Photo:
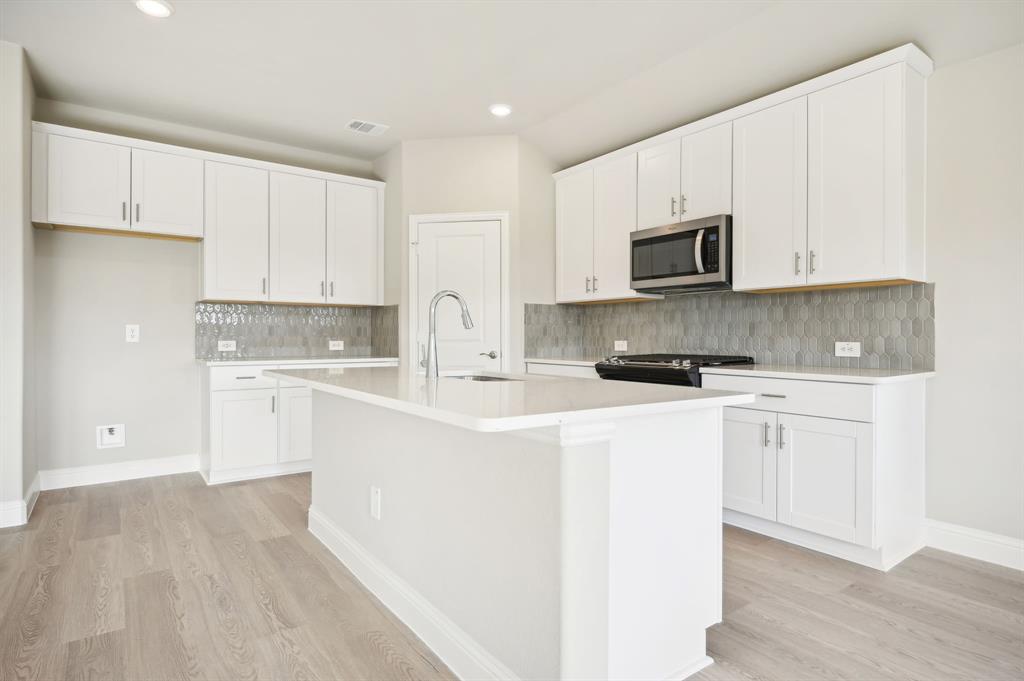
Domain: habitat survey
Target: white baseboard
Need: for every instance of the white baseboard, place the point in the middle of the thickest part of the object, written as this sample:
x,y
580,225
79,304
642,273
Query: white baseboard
x,y
978,544
254,472
15,513
690,670
463,655
59,478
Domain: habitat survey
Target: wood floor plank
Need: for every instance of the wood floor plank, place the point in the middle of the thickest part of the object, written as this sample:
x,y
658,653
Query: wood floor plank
x,y
253,514
53,538
30,628
142,542
102,513
158,637
189,545
97,658
96,587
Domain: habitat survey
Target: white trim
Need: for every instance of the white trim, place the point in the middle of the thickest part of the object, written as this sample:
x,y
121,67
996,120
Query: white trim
x,y
908,54
59,478
690,670
977,544
464,656
506,289
254,472
135,143
14,513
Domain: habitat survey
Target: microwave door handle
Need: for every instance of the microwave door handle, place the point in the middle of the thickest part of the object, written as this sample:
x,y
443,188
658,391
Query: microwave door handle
x,y
697,246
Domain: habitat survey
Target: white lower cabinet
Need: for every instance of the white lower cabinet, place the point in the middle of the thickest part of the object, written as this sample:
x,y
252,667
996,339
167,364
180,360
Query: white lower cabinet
x,y
295,431
845,477
243,428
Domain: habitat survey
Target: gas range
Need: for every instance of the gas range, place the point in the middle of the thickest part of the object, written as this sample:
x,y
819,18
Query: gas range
x,y
664,368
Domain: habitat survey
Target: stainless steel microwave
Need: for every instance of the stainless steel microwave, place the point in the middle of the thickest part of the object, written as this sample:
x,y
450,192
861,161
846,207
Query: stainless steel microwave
x,y
683,258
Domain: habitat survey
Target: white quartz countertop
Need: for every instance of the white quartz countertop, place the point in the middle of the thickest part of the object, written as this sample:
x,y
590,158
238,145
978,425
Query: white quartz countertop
x,y
528,402
832,374
291,362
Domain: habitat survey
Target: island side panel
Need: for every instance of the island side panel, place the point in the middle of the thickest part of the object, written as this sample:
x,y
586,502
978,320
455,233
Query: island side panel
x,y
469,520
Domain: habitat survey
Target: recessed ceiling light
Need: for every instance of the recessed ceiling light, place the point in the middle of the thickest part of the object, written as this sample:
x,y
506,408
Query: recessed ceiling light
x,y
501,110
155,8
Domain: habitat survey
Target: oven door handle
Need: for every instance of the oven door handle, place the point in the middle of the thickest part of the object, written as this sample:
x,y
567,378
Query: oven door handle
x,y
698,244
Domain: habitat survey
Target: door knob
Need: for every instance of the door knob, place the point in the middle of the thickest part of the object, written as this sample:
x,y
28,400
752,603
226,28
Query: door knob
x,y
492,354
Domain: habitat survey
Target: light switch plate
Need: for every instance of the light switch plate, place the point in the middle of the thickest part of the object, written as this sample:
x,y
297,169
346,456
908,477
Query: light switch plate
x,y
847,349
226,346
110,436
131,333
335,345
621,346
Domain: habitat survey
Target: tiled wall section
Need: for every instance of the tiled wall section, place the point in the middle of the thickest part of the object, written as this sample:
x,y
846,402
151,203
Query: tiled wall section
x,y
384,331
895,325
291,331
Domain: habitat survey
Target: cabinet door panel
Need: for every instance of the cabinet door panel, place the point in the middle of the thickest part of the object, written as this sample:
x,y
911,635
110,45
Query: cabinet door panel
x,y
235,250
353,244
825,477
657,191
770,197
167,193
89,183
243,428
298,239
854,179
614,220
574,235
749,461
296,424
706,176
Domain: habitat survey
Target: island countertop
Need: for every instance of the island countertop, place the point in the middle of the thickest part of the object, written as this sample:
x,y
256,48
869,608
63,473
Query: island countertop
x,y
527,401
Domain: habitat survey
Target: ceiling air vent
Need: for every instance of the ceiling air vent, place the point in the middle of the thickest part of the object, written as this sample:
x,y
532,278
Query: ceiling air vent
x,y
366,128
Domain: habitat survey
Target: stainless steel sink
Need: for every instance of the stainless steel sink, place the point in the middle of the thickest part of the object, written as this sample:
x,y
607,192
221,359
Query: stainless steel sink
x,y
475,377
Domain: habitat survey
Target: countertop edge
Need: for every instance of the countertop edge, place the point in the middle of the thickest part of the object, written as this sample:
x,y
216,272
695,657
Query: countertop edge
x,y
295,362
564,362
821,374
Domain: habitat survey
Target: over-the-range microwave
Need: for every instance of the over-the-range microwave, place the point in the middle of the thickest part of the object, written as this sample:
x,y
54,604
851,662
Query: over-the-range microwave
x,y
683,258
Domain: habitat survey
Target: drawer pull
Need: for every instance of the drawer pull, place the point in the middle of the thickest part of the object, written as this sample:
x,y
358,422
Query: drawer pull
x,y
781,397
244,378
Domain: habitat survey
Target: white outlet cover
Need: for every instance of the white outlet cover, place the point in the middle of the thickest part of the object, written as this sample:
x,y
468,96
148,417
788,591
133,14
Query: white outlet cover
x,y
335,345
226,346
621,346
110,436
131,333
847,349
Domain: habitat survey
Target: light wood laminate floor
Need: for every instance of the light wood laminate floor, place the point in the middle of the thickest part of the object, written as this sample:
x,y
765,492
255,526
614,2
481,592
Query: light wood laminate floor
x,y
166,578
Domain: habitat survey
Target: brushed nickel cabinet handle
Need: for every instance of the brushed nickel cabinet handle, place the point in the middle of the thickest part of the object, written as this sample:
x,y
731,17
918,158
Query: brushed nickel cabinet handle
x,y
796,262
682,204
767,428
782,429
124,211
332,289
245,378
264,289
595,283
588,284
321,288
137,209
273,403
810,263
673,206
773,395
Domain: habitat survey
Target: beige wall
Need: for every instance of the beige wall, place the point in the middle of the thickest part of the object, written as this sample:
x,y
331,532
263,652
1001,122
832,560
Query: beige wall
x,y
17,452
472,174
88,286
115,123
976,259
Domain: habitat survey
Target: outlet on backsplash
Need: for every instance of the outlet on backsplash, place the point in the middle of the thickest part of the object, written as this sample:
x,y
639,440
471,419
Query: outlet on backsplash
x,y
226,346
847,349
621,346
335,345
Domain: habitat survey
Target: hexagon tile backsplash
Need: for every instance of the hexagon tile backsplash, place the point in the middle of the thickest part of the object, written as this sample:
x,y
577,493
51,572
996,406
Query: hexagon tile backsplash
x,y
894,324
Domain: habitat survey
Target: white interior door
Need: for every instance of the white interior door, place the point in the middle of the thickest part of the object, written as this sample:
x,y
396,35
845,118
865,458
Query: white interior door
x,y
464,257
298,234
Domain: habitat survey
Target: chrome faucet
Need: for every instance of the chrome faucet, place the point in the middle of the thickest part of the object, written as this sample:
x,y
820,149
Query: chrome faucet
x,y
467,322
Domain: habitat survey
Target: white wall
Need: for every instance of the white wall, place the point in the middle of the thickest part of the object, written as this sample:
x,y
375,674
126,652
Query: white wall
x,y
17,451
976,259
88,286
77,116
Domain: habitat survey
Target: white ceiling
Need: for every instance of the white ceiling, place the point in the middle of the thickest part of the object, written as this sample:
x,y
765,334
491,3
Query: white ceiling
x,y
582,77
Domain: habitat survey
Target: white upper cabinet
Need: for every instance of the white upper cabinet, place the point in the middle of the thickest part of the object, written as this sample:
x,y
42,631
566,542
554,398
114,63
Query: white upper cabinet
x,y
89,183
574,237
235,253
614,220
657,190
167,193
354,264
770,197
298,232
706,173
857,192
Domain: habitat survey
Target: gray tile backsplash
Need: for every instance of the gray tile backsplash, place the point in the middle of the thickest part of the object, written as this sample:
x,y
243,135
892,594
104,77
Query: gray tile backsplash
x,y
894,324
294,331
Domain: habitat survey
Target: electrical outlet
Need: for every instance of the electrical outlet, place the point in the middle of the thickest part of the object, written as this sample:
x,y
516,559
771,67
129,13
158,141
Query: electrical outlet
x,y
131,333
335,345
225,346
375,502
847,349
621,346
110,436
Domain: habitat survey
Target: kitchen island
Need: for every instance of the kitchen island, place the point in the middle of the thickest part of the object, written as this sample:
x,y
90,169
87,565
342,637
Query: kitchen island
x,y
527,527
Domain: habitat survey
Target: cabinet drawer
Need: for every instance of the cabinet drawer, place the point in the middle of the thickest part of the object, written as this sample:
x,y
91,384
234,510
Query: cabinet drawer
x,y
847,401
240,378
